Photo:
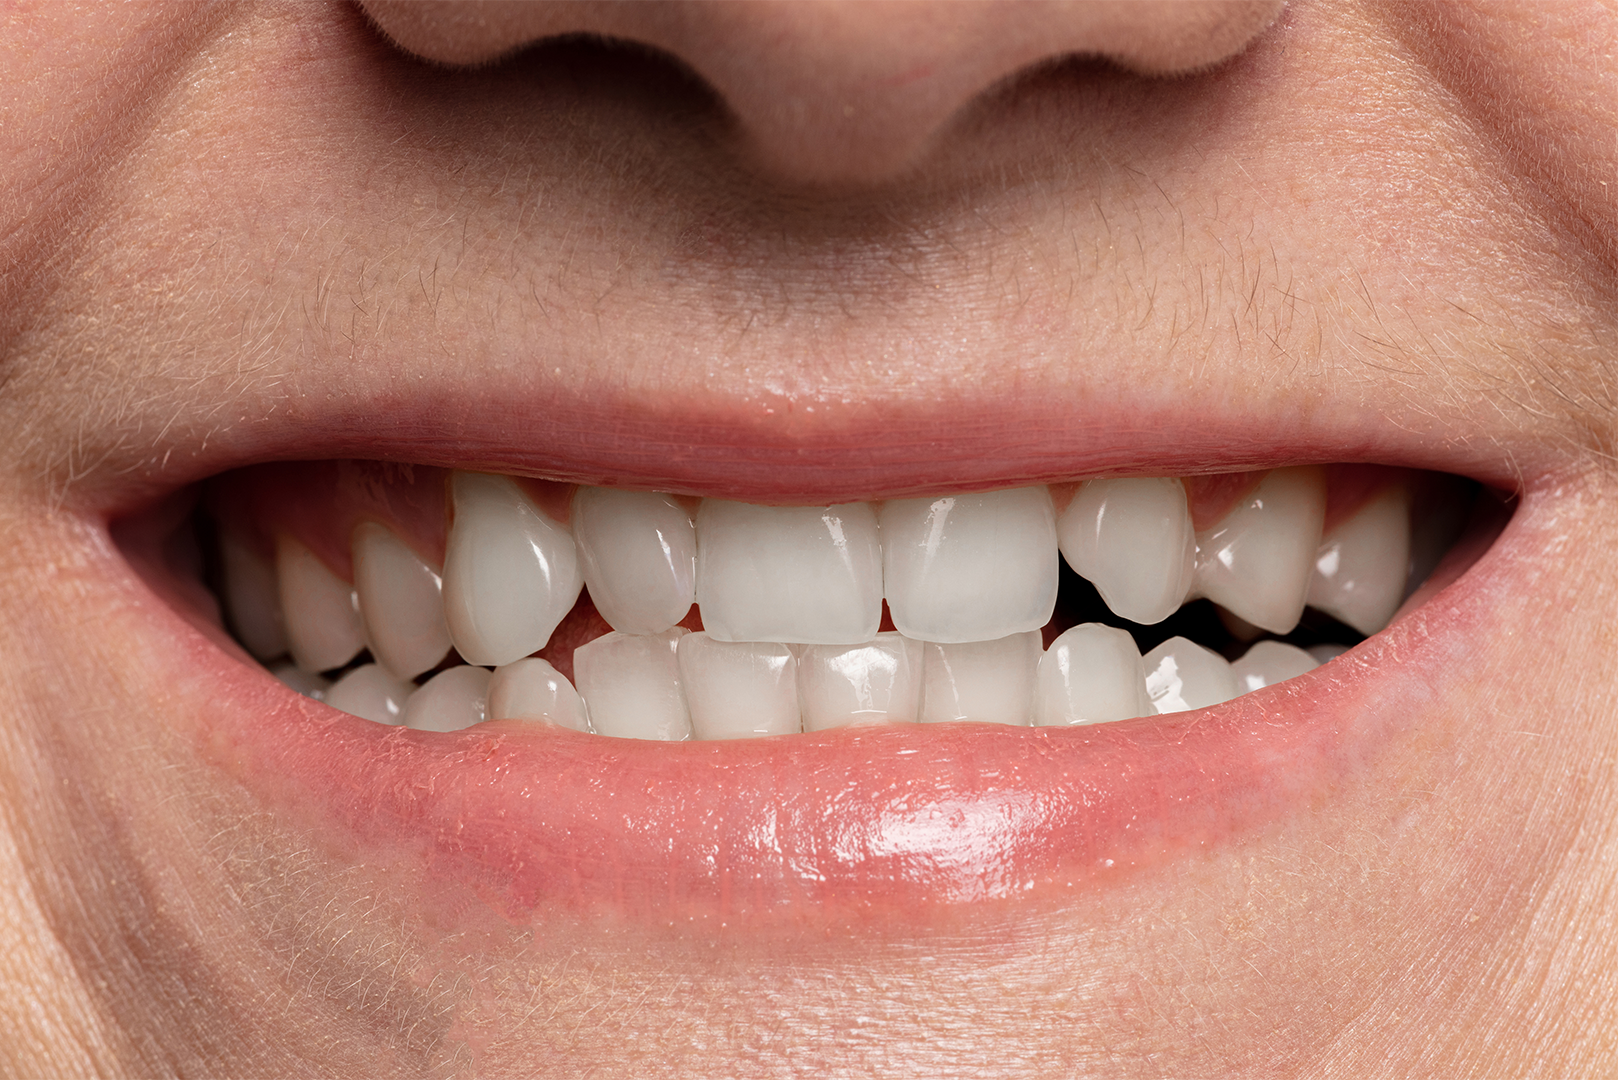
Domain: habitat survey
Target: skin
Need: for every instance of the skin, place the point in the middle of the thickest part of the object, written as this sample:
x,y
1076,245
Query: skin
x,y
1377,233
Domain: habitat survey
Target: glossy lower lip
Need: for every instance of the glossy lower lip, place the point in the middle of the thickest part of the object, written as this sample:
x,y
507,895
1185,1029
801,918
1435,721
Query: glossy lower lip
x,y
871,823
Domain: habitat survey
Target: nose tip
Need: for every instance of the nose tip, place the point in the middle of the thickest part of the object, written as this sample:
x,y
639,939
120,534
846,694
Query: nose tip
x,y
846,92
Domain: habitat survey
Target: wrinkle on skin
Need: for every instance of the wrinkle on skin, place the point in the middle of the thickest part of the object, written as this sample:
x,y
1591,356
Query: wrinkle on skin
x,y
297,215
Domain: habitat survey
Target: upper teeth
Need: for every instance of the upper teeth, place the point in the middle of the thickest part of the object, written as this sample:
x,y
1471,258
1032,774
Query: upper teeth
x,y
791,600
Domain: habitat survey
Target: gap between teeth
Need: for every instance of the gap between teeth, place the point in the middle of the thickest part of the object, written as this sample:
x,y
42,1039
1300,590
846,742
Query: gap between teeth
x,y
791,600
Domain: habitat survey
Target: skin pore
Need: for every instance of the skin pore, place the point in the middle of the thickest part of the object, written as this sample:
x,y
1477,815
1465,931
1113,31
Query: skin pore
x,y
792,254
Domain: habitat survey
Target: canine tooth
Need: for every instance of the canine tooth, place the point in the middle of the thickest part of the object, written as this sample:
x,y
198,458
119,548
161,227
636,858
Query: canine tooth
x,y
631,685
401,602
1323,653
510,573
1091,674
1270,662
987,681
879,681
738,689
1132,538
306,683
638,552
455,698
321,609
963,568
1257,561
531,689
805,574
252,598
371,692
1181,675
1361,566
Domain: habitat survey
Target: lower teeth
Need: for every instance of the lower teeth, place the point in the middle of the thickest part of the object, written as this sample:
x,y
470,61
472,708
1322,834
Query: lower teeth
x,y
1056,653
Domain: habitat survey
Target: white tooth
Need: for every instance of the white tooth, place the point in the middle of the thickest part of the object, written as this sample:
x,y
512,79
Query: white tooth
x,y
638,551
1362,563
369,691
1132,538
1091,674
322,612
1270,662
965,568
455,698
991,682
878,682
739,689
401,602
510,573
805,574
531,689
252,598
306,683
1323,653
1181,675
631,685
1257,561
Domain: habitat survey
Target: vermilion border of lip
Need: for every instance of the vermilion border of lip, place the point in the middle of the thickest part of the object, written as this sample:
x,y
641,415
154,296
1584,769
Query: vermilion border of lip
x,y
866,822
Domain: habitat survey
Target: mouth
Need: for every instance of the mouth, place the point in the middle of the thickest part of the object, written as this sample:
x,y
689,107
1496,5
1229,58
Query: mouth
x,y
556,695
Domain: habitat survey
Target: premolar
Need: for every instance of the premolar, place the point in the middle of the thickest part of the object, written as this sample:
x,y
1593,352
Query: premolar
x,y
1270,662
963,568
1182,675
321,609
252,598
453,699
1257,561
1362,564
372,692
401,602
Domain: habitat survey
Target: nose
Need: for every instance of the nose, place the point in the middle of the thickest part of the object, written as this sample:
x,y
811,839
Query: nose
x,y
845,91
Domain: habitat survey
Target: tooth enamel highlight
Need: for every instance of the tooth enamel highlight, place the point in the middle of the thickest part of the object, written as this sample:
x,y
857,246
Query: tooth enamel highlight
x,y
1361,566
306,683
1132,538
989,682
965,568
369,691
631,685
1257,562
878,682
1091,674
252,599
531,689
738,689
804,574
453,699
1182,675
1270,662
321,610
401,602
510,572
638,552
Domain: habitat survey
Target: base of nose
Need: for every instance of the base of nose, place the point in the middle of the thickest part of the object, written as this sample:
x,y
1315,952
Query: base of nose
x,y
846,91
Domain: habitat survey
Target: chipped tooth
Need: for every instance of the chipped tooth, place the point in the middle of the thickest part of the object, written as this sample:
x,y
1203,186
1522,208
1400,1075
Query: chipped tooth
x,y
453,699
1270,662
805,574
878,682
371,692
1132,539
531,689
631,685
1257,561
401,602
990,682
638,552
738,689
1361,565
964,568
252,598
1182,675
304,682
321,609
510,572
1091,674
